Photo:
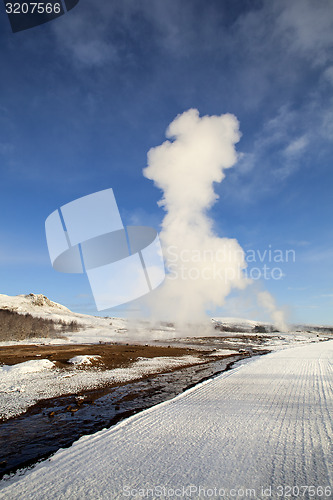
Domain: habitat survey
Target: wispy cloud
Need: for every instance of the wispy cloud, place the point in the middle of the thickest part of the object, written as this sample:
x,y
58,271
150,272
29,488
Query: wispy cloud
x,y
82,35
285,143
296,146
299,243
308,27
298,288
16,257
322,255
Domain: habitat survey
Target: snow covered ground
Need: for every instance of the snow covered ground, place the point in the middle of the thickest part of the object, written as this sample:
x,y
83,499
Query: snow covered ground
x,y
23,384
261,430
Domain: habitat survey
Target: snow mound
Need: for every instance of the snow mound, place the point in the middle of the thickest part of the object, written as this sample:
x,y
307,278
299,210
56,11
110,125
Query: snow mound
x,y
32,366
160,362
83,360
223,352
41,300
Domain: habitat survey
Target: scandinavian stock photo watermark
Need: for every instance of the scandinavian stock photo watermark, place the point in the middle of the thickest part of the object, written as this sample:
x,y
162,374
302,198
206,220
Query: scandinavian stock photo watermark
x,y
87,236
227,264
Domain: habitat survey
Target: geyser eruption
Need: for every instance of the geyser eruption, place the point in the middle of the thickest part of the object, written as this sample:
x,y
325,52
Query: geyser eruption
x,y
202,268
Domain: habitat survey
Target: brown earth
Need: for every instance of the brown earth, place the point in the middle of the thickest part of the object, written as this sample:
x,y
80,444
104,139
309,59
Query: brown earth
x,y
112,355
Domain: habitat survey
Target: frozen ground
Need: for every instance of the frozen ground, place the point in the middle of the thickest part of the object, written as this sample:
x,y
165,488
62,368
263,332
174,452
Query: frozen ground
x,y
26,383
23,384
262,430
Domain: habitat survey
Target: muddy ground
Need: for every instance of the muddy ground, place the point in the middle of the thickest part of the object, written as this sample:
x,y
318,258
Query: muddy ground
x,y
112,355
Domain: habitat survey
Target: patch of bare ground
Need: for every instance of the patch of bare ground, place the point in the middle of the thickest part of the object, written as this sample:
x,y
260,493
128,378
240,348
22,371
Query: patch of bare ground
x,y
111,355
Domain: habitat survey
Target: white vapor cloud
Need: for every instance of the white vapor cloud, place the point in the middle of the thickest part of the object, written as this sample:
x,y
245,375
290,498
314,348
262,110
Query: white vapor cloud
x,y
203,268
266,301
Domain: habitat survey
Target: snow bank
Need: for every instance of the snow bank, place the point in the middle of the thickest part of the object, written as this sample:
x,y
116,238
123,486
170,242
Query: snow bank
x,y
83,360
157,364
32,366
224,352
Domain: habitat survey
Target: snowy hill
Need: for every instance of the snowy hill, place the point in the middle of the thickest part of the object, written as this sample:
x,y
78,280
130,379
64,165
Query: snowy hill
x,y
92,329
35,304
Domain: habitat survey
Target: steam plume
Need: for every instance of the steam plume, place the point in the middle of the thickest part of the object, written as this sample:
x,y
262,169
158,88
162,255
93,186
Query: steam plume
x,y
266,300
203,268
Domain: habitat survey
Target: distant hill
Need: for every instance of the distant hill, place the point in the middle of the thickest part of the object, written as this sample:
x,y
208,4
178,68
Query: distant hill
x,y
21,326
249,326
36,316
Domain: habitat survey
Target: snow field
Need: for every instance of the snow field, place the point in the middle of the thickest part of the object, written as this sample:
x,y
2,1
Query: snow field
x,y
264,425
24,384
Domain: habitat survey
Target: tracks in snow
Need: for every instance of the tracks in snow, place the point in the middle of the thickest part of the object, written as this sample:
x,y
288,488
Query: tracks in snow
x,y
264,424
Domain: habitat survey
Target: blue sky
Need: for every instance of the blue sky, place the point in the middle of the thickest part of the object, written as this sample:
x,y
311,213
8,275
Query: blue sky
x,y
84,97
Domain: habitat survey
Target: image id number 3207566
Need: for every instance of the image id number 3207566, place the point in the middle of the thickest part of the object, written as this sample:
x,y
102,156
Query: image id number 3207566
x,y
33,8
